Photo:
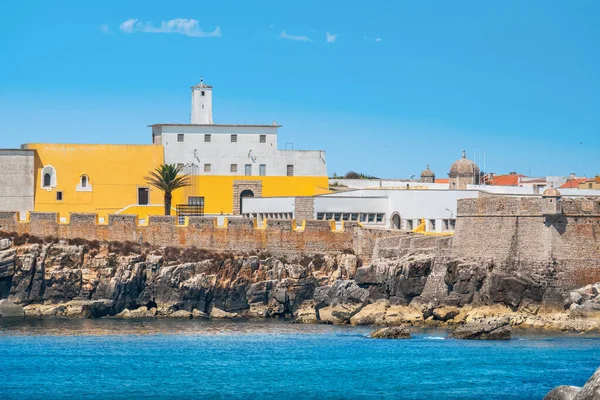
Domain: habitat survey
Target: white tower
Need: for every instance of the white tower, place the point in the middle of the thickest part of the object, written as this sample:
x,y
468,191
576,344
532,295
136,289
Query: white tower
x,y
202,104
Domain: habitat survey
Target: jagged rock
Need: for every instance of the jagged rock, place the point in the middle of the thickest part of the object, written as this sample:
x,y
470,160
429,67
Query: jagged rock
x,y
10,309
401,315
217,313
484,329
5,244
395,332
371,314
197,314
338,314
591,389
306,314
142,312
445,313
341,292
180,314
563,393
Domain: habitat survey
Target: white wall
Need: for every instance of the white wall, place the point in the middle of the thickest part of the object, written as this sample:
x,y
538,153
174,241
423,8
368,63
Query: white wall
x,y
264,205
221,152
385,183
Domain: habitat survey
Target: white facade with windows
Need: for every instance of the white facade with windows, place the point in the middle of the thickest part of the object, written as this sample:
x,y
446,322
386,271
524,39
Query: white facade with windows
x,y
217,149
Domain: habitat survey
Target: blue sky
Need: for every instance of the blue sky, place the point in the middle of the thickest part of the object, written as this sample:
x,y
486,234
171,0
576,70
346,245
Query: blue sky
x,y
385,87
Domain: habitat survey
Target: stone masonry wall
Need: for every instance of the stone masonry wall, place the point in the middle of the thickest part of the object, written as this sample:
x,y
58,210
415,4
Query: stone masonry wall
x,y
513,233
238,235
304,208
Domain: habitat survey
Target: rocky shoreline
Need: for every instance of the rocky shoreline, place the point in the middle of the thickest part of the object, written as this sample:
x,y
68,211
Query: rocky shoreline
x,y
419,287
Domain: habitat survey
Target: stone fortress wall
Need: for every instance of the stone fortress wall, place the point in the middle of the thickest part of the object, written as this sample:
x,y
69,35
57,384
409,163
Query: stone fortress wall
x,y
517,236
279,237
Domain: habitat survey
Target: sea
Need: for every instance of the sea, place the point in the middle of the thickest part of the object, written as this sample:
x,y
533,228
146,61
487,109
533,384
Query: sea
x,y
196,359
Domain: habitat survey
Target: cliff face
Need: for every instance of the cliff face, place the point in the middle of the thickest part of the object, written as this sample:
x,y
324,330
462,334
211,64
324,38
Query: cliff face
x,y
412,280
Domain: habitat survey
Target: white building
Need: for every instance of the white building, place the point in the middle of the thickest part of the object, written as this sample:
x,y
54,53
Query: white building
x,y
220,149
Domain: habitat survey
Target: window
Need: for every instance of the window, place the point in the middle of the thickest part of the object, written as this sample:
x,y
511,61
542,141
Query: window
x,y
363,217
337,216
143,196
233,138
180,137
591,186
263,139
59,196
354,217
206,167
196,200
432,225
202,93
233,168
84,181
345,217
329,216
248,169
47,179
207,138
379,217
262,169
290,170
371,218
320,216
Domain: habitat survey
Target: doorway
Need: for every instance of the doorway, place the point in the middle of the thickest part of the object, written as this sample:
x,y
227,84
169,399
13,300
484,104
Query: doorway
x,y
245,193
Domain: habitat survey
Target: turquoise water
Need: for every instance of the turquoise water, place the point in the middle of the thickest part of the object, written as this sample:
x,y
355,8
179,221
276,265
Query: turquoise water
x,y
116,359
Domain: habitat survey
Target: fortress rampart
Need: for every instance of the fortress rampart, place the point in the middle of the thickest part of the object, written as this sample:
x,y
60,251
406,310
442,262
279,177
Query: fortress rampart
x,y
516,234
236,235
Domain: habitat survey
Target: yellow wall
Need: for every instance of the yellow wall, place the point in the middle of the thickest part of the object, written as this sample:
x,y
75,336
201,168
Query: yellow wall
x,y
593,184
114,171
218,190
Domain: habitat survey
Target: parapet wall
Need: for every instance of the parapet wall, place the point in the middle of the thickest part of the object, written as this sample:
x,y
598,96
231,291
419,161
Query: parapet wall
x,y
236,235
513,233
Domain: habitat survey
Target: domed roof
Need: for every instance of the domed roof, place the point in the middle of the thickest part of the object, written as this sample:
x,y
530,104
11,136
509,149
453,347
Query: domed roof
x,y
427,173
464,167
551,192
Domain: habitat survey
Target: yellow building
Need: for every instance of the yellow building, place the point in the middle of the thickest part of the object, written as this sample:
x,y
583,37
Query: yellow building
x,y
593,183
96,178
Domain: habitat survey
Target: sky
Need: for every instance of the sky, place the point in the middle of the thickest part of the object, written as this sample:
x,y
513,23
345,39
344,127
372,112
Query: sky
x,y
384,87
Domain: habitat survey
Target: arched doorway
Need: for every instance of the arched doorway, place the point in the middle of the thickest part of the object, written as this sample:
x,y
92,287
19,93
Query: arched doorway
x,y
245,193
396,221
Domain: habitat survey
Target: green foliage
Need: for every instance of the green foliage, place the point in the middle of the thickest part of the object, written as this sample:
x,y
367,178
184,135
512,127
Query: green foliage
x,y
167,178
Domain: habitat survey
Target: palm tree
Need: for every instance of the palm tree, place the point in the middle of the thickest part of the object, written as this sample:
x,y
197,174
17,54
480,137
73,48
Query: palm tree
x,y
166,178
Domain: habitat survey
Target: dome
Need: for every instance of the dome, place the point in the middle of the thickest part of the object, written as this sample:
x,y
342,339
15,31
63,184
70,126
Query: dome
x,y
427,173
464,167
551,192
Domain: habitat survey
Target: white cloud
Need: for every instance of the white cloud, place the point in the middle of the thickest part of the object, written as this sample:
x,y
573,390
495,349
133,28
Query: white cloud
x,y
330,37
284,35
182,26
104,28
378,39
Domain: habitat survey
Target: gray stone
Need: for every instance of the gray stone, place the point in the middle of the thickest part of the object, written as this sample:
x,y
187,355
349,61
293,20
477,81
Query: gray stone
x,y
484,329
563,393
395,332
10,309
591,390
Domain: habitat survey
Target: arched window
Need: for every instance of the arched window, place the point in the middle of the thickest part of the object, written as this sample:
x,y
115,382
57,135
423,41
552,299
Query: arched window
x,y
84,180
47,179
84,184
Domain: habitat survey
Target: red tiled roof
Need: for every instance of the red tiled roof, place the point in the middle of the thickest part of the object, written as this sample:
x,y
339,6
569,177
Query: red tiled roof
x,y
573,183
506,180
442,180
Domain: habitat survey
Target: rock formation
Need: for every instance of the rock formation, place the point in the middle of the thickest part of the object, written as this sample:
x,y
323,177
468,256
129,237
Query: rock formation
x,y
395,332
412,283
484,329
590,391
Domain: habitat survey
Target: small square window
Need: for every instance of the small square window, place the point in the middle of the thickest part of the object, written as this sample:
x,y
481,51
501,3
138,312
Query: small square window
x,y
354,217
363,217
233,138
329,216
248,169
379,217
262,169
180,137
206,167
233,168
320,216
202,93
207,138
290,170
371,217
263,139
346,217
59,196
337,216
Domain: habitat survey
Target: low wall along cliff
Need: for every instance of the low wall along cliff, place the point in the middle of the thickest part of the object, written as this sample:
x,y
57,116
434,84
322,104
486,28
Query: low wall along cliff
x,y
237,234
